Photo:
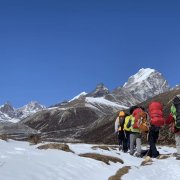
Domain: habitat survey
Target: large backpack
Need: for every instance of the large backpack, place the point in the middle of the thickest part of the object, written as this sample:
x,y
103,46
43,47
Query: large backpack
x,y
176,102
140,121
121,122
156,114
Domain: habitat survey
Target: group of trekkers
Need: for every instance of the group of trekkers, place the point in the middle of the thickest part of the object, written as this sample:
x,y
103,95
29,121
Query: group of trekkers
x,y
130,127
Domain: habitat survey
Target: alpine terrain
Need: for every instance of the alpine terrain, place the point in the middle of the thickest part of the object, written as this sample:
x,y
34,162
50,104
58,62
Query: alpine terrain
x,y
90,113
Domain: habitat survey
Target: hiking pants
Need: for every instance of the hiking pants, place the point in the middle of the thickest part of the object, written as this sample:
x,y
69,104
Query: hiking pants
x,y
135,138
127,133
177,138
122,139
152,139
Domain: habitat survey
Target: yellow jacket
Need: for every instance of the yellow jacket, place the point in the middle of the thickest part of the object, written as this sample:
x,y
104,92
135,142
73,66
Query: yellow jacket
x,y
127,119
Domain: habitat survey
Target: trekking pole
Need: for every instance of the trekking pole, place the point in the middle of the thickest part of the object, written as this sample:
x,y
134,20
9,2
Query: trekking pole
x,y
125,134
147,136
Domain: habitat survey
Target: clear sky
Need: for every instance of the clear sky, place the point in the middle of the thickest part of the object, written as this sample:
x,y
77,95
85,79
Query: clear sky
x,y
51,50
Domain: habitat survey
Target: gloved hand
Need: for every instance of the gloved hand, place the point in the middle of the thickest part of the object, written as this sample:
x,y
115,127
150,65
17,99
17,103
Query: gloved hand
x,y
115,132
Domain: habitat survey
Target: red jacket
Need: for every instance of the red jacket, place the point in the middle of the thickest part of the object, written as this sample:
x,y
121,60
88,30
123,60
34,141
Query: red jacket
x,y
170,120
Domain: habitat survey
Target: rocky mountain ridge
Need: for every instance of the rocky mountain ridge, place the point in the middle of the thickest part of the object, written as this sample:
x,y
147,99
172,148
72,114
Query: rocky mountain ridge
x,y
9,113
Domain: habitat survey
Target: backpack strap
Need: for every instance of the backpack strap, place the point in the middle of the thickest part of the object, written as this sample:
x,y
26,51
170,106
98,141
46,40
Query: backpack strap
x,y
129,122
173,111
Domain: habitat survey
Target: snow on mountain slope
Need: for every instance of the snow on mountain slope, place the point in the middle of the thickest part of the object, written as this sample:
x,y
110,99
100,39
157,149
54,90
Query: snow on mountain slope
x,y
146,84
142,75
104,102
78,96
19,161
29,109
8,113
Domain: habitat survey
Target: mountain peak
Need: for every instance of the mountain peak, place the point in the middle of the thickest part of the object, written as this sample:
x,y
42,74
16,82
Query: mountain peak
x,y
7,112
82,94
100,91
7,108
140,76
146,83
32,106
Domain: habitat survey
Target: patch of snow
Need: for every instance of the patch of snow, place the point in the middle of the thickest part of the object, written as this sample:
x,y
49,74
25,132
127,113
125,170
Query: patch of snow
x,y
142,75
78,96
103,101
14,120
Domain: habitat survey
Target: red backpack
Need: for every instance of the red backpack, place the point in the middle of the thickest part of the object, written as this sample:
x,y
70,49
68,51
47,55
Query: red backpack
x,y
140,121
156,114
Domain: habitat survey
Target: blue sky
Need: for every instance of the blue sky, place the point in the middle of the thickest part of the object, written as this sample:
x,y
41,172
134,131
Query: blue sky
x,y
52,50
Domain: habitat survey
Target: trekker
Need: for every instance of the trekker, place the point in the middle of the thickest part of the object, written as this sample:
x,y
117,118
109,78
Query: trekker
x,y
155,110
127,129
135,136
119,130
174,120
152,140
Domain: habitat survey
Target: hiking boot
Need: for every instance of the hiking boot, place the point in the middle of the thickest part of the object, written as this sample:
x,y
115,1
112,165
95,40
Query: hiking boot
x,y
177,156
137,155
125,151
174,154
157,156
120,147
131,153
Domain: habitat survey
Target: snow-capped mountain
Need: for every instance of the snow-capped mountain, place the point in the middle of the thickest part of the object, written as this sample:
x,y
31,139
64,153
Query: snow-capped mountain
x,y
95,112
146,83
9,113
176,87
143,85
87,108
29,109
7,109
79,96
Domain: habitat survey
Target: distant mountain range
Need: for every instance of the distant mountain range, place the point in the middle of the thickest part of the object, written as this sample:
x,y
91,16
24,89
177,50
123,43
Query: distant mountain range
x,y
145,84
89,116
9,113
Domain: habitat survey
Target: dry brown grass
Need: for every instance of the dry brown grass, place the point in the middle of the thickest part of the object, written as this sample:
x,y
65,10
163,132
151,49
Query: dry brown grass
x,y
34,139
147,161
114,147
4,137
102,158
172,145
105,147
63,147
124,170
101,147
164,156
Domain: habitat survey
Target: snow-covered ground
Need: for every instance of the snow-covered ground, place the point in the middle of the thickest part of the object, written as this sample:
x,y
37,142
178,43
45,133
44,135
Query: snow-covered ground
x,y
21,161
